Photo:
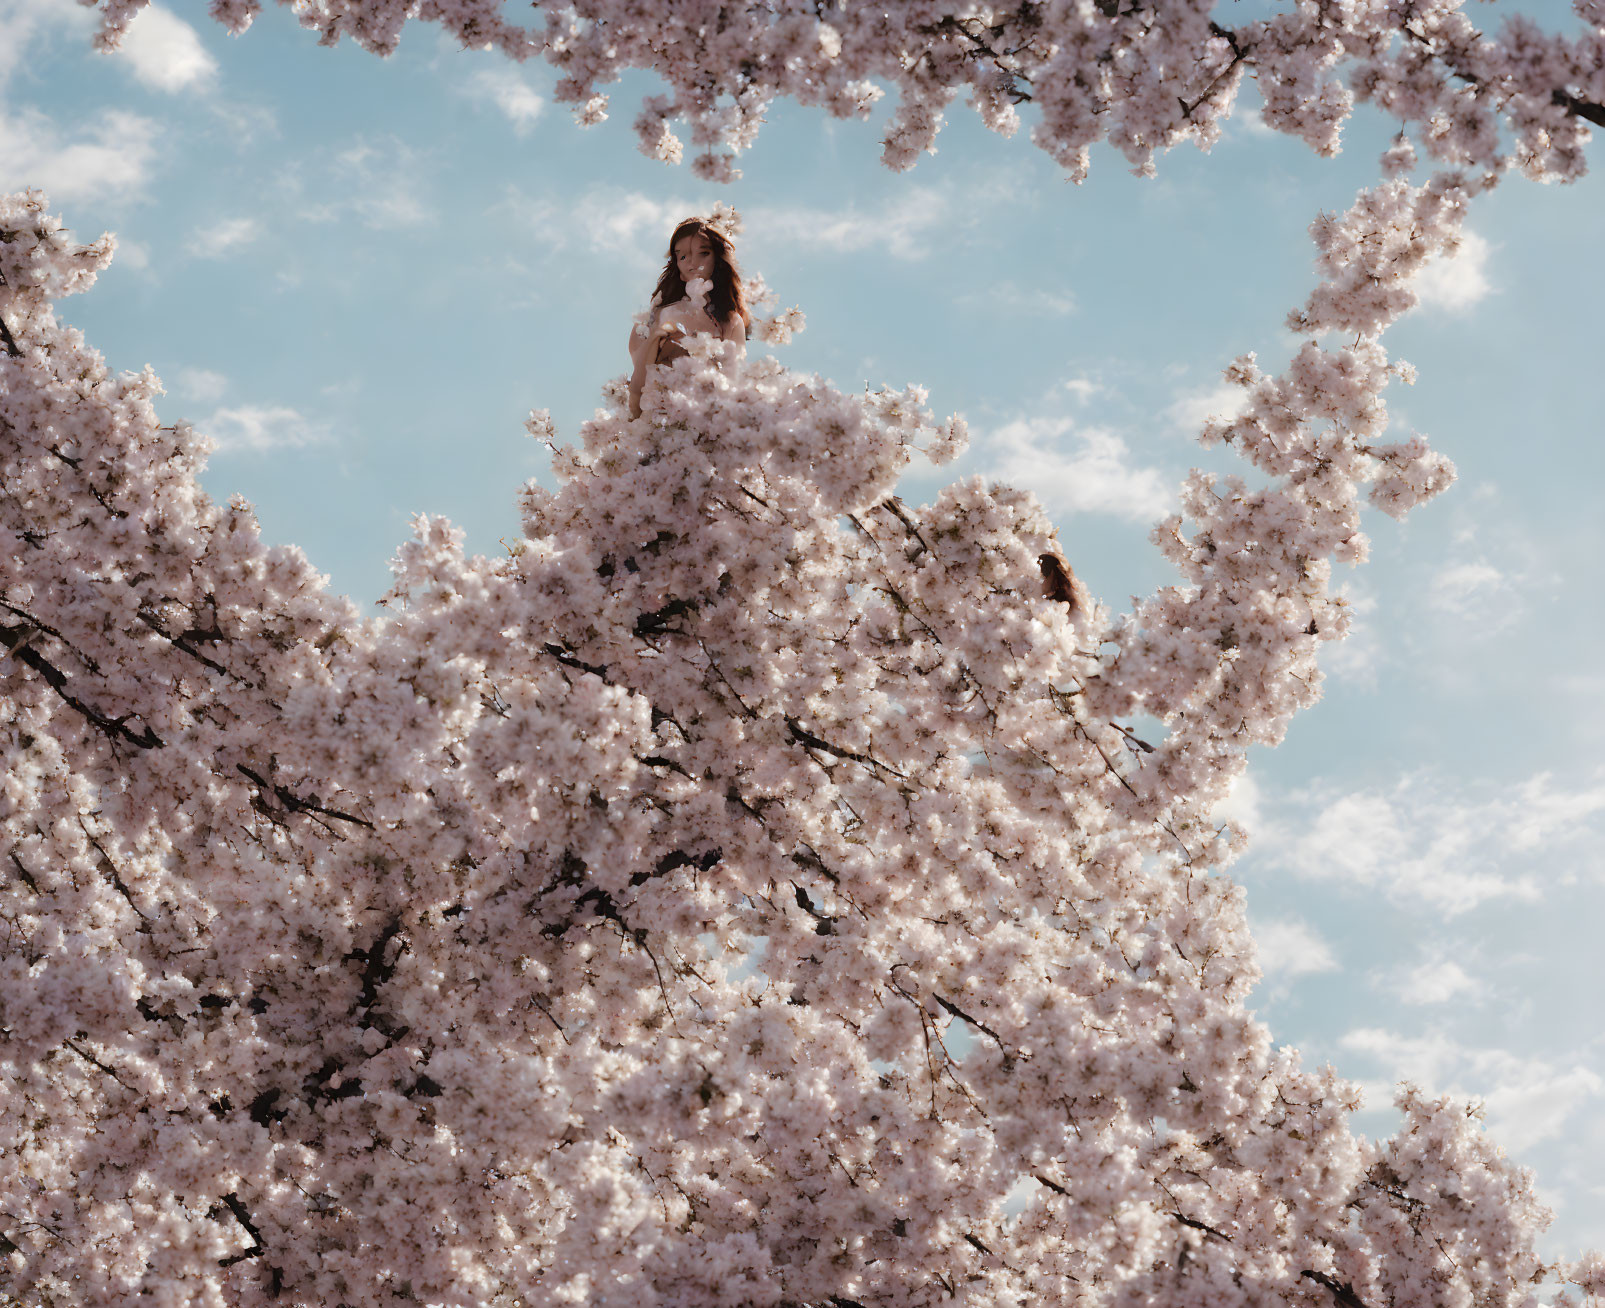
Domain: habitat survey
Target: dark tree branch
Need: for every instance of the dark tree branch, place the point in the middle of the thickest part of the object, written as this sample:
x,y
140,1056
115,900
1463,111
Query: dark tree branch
x,y
568,660
959,1013
376,971
808,857
295,803
894,506
1342,1291
656,623
31,626
824,925
1584,109
91,1059
56,679
803,736
243,1217
108,869
183,641
23,872
677,859
1205,1227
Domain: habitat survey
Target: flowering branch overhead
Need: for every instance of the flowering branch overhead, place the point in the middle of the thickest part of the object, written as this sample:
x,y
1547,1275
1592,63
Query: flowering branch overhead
x,y
1143,76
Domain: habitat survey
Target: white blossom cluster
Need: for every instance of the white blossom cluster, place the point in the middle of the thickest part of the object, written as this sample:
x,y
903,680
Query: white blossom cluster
x,y
750,891
1144,75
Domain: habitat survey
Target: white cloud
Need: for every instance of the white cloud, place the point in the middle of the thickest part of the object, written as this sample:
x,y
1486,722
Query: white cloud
x,y
1241,806
1437,982
506,89
631,223
1009,299
1356,658
224,237
1079,470
1531,1102
1457,283
21,21
380,185
242,122
134,255
165,52
1291,949
253,429
1527,1100
201,385
621,224
901,228
1541,808
636,226
1448,851
1193,408
1467,587
1080,389
111,159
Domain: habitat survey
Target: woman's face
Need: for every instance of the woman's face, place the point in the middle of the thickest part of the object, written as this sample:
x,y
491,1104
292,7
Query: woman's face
x,y
693,256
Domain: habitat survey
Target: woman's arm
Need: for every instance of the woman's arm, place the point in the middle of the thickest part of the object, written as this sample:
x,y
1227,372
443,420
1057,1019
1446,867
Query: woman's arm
x,y
644,339
637,381
736,331
646,356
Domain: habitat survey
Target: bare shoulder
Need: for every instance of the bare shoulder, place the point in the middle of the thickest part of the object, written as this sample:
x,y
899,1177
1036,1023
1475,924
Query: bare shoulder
x,y
735,329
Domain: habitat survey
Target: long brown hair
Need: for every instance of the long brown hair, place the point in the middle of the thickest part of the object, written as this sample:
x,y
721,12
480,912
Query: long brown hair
x,y
727,297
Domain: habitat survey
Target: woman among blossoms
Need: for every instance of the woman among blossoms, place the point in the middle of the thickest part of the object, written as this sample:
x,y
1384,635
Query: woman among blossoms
x,y
699,291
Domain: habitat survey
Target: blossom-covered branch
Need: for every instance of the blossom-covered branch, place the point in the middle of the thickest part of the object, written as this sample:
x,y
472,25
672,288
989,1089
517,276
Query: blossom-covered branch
x,y
1143,75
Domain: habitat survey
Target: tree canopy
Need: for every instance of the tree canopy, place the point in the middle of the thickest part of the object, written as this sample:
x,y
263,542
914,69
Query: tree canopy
x,y
752,889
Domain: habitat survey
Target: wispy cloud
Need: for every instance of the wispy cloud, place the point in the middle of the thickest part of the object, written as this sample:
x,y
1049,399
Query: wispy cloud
x,y
1456,283
165,53
900,227
606,219
1468,588
109,159
631,223
1192,408
132,254
252,429
506,90
1444,849
200,385
1077,469
636,226
1290,948
23,22
1437,981
1527,1100
1079,389
1241,807
1009,299
1357,658
224,237
380,184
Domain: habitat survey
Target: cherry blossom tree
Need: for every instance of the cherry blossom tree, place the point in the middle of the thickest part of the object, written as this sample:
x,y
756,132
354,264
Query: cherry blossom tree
x,y
753,889
1143,75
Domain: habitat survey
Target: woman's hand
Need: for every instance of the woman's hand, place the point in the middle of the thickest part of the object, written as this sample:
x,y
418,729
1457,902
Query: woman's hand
x,y
682,318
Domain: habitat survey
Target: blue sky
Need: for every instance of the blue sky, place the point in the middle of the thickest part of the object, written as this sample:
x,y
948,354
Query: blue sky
x,y
361,274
